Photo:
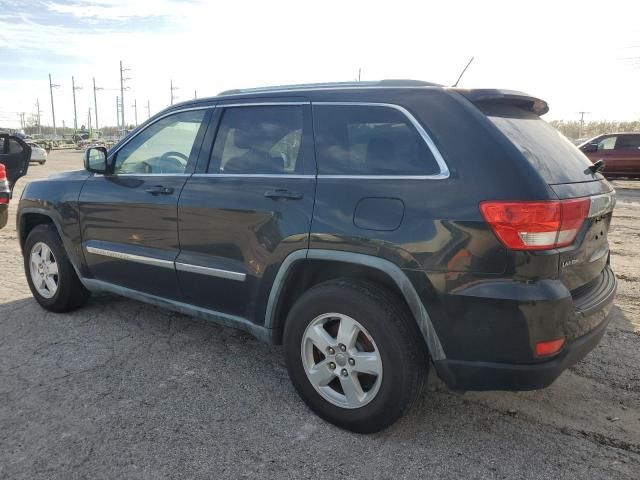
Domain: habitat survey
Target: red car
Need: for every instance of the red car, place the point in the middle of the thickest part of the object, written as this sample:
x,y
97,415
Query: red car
x,y
619,151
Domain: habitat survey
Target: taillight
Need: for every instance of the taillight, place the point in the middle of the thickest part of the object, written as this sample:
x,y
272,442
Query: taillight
x,y
3,173
536,225
550,347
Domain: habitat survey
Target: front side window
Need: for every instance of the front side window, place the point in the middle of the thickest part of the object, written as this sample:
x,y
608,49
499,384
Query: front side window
x,y
259,140
164,147
608,143
369,140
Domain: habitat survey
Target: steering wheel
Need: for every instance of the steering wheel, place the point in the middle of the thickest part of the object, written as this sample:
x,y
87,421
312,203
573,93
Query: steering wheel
x,y
173,159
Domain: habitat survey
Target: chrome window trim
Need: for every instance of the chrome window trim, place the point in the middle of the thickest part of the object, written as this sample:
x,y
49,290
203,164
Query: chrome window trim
x,y
179,175
156,120
212,272
253,175
253,103
444,169
156,262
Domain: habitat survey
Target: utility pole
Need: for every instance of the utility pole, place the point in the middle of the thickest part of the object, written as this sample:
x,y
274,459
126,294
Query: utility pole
x,y
75,115
38,116
148,109
118,115
122,89
582,114
95,100
195,94
359,73
89,122
135,110
173,97
53,110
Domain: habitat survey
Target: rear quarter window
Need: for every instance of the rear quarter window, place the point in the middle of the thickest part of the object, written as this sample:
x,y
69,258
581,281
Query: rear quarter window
x,y
369,140
549,152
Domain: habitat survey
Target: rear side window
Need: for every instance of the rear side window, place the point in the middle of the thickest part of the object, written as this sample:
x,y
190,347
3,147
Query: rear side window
x,y
628,142
14,146
549,152
369,140
259,140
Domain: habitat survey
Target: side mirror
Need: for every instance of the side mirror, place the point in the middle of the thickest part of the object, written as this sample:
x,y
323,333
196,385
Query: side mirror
x,y
590,147
95,160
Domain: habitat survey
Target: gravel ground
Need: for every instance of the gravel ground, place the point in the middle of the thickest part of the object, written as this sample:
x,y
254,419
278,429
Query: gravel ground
x,y
124,390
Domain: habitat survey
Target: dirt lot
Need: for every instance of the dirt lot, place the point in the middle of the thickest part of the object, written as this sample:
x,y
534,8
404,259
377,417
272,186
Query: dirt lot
x,y
124,390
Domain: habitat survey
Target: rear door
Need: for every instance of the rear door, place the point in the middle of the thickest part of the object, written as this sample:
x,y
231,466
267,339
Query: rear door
x,y
129,218
626,155
241,215
14,155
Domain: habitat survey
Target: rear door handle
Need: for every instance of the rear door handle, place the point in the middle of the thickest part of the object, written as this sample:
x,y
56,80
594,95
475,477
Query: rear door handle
x,y
283,193
159,190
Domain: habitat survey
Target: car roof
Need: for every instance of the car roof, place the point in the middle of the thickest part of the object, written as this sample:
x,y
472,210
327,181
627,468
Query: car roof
x,y
476,96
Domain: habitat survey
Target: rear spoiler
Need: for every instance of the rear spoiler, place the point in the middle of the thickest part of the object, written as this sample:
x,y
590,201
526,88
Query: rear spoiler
x,y
506,97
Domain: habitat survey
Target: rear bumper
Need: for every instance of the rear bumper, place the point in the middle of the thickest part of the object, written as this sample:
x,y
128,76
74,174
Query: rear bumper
x,y
583,329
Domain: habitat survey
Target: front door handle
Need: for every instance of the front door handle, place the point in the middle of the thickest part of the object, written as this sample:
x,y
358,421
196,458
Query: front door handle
x,y
159,190
283,193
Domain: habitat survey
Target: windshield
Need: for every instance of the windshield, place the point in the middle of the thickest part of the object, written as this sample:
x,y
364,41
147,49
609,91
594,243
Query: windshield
x,y
550,152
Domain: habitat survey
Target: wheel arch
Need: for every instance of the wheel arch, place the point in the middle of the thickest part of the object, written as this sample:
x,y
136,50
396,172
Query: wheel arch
x,y
29,218
303,269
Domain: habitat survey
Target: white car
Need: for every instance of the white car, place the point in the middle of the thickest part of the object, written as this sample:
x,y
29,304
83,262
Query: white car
x,y
38,154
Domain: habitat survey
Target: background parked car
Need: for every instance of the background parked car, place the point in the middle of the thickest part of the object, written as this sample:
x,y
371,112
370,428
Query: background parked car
x,y
38,154
620,152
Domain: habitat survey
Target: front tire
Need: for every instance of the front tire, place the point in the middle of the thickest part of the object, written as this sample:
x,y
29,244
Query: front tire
x,y
51,277
354,354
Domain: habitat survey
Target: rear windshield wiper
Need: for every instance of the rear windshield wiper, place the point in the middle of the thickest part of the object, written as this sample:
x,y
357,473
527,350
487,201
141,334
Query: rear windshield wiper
x,y
597,166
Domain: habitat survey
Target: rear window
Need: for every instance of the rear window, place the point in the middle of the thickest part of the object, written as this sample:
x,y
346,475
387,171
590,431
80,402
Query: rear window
x,y
550,152
369,140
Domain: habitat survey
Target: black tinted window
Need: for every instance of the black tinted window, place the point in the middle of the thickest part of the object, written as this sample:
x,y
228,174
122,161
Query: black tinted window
x,y
14,146
368,140
259,140
551,154
628,142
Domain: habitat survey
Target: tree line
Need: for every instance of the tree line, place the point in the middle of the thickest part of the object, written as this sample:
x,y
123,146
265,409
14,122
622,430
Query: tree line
x,y
572,129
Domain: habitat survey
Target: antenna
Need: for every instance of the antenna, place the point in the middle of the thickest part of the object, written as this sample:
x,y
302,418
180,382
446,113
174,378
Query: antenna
x,y
463,70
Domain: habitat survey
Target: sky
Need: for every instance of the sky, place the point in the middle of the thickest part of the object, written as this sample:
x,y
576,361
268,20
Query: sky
x,y
577,55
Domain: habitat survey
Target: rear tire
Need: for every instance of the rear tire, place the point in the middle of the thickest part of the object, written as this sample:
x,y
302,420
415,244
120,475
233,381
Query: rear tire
x,y
384,328
51,277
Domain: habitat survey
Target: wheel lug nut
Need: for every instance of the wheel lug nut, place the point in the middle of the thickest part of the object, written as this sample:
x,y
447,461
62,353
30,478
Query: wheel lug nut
x,y
344,372
343,348
332,365
352,362
331,351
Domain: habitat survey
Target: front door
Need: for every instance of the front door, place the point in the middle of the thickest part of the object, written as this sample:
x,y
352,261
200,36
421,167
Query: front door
x,y
627,155
249,209
129,218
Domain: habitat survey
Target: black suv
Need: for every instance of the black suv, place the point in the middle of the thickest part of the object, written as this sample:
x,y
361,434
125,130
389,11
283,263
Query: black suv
x,y
372,228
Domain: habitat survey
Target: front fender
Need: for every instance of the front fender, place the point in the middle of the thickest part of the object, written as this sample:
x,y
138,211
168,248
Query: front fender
x,y
57,200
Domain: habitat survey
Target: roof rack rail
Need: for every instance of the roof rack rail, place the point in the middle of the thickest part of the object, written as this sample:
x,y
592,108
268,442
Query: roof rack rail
x,y
307,86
